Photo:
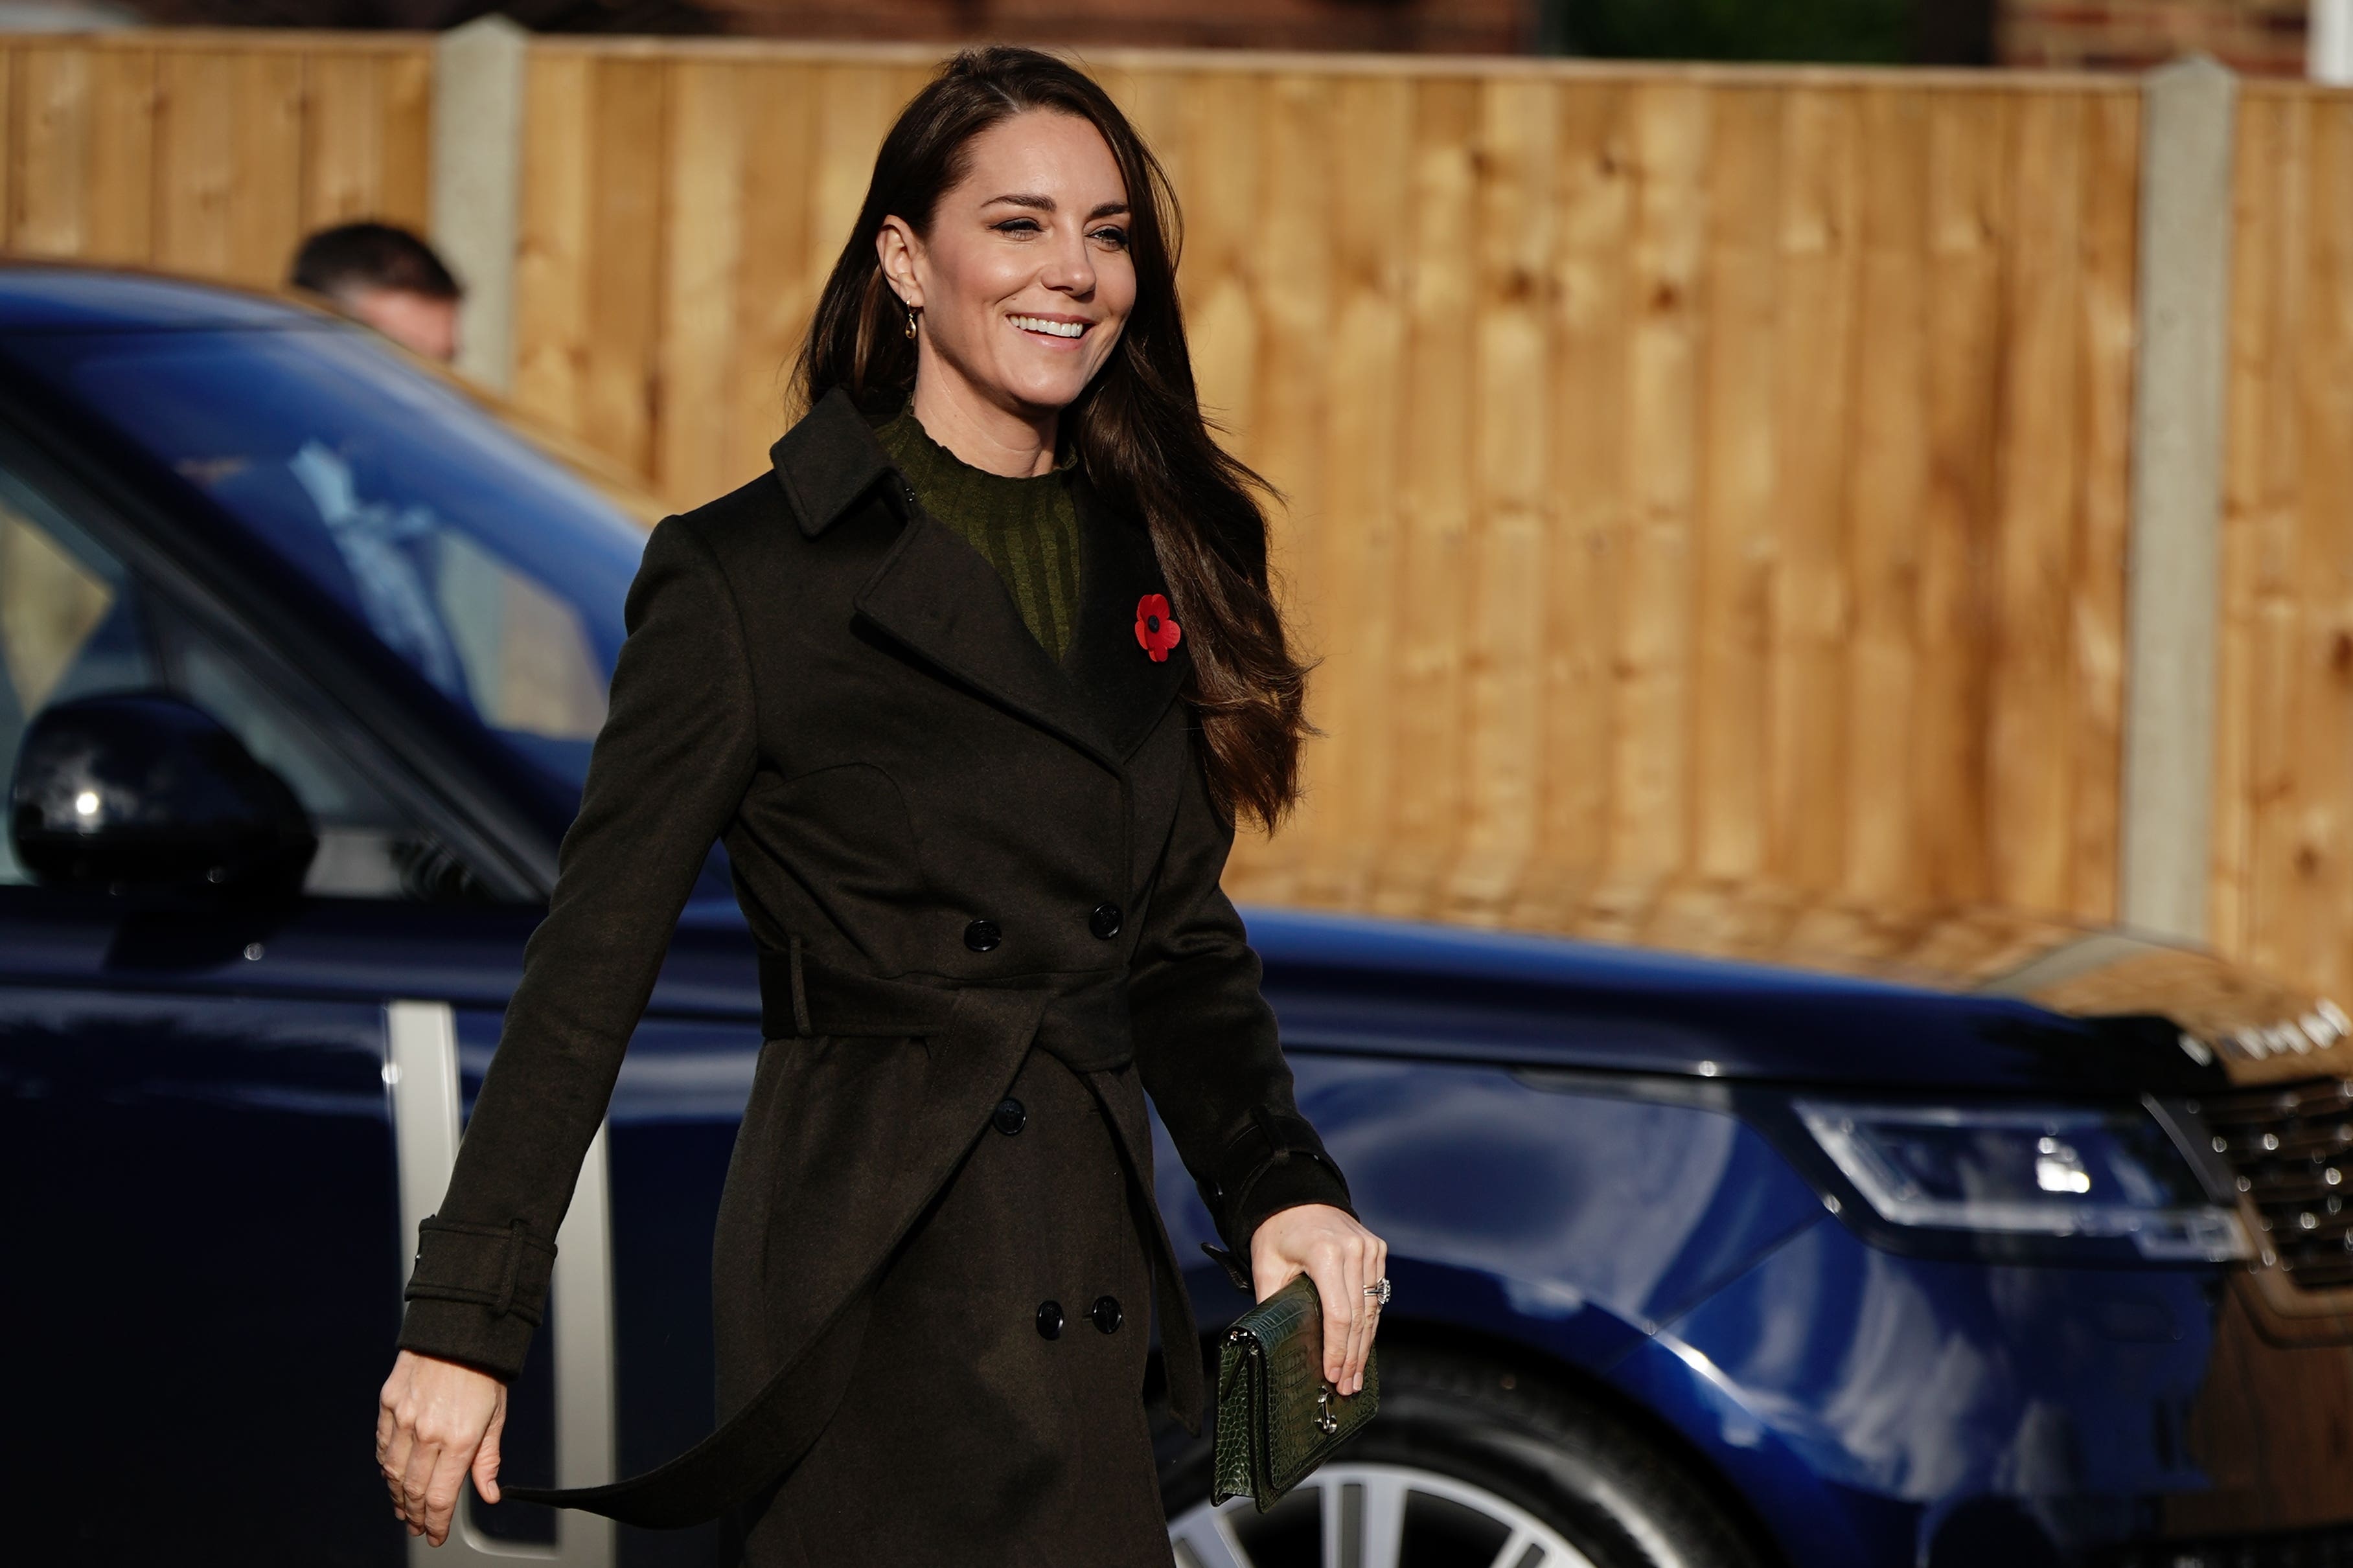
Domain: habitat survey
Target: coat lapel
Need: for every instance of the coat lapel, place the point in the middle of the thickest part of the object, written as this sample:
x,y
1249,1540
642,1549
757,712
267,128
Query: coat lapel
x,y
941,599
1125,687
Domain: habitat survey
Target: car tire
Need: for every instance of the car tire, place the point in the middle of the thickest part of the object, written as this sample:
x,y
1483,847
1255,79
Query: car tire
x,y
1469,1463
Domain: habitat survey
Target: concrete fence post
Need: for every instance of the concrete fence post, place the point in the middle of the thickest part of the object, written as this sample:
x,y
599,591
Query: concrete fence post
x,y
2173,566
477,87
2328,42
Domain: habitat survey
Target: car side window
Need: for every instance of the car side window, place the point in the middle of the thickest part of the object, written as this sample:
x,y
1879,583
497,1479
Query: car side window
x,y
368,846
70,626
75,621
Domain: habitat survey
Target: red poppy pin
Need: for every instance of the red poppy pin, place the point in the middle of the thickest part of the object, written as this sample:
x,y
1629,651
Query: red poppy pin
x,y
1155,628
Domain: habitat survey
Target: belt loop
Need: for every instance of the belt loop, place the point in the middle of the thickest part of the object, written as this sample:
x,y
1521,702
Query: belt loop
x,y
509,1277
801,993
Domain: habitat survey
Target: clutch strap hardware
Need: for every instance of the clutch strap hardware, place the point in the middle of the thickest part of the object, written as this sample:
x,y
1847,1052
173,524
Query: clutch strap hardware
x,y
1325,1422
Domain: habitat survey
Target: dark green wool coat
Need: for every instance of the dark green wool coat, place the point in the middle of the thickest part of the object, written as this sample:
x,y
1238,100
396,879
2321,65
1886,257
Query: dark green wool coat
x,y
955,854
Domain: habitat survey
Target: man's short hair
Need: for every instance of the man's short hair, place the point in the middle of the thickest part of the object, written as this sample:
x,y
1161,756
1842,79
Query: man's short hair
x,y
355,255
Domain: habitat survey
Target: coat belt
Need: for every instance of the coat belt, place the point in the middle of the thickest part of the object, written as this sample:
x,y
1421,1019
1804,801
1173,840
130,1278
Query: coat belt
x,y
1084,1025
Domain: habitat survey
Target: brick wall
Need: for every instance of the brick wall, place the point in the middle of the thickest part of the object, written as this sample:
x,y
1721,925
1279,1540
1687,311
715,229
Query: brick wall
x,y
2263,37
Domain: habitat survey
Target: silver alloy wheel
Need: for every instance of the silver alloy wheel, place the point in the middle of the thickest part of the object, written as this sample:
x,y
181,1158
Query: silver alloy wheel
x,y
1363,1511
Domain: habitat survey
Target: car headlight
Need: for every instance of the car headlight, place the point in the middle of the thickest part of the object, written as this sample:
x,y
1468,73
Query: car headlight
x,y
2026,1173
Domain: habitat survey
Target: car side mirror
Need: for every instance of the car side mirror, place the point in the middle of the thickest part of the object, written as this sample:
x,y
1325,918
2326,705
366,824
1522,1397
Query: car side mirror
x,y
143,792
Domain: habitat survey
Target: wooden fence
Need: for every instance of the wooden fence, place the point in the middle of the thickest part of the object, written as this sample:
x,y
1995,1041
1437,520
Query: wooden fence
x,y
209,154
1707,489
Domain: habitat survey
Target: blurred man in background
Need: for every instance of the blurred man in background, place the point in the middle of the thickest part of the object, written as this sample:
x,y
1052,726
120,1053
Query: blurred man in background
x,y
386,278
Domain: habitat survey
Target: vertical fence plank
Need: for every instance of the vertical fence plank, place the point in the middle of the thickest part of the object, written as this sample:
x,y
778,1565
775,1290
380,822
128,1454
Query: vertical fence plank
x,y
1350,773
625,227
2255,246
1731,629
1886,472
1588,421
1291,306
345,132
1220,133
1434,492
119,204
1969,239
1812,599
703,254
2040,469
2276,780
2105,304
404,97
553,248
53,122
1510,616
782,264
2324,398
265,181
1650,696
196,166
2304,886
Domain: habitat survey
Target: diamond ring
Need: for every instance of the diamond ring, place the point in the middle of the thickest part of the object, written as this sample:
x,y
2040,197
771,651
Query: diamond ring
x,y
1379,1291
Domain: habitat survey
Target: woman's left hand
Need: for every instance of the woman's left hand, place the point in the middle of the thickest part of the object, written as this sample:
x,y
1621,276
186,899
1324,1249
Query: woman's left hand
x,y
1342,1258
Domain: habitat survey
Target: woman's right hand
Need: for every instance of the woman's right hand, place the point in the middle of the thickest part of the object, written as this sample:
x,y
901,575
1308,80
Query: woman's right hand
x,y
435,1421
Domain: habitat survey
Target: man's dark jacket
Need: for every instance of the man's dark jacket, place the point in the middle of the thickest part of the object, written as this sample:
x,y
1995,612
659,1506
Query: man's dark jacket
x,y
950,850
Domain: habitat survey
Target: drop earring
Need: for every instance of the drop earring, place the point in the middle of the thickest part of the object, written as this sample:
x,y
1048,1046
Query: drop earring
x,y
912,312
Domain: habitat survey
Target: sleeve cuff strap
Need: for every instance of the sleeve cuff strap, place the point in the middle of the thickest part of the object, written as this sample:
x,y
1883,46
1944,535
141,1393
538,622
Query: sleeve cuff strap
x,y
504,1270
1303,1178
1275,1163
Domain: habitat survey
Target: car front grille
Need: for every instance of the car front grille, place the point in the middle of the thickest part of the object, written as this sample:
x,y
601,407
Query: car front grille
x,y
2328,1548
2291,1148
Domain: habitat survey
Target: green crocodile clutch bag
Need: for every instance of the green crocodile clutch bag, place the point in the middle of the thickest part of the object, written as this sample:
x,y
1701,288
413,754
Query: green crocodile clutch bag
x,y
1277,1419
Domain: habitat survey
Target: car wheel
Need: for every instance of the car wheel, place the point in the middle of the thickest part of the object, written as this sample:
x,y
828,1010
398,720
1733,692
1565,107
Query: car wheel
x,y
1467,1464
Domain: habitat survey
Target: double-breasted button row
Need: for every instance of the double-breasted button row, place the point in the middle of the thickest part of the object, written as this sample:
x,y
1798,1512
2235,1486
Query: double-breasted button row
x,y
1106,1315
987,936
1009,1117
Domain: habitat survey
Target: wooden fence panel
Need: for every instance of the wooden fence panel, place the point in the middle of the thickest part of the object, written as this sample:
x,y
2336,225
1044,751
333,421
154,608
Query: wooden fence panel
x,y
209,154
2282,845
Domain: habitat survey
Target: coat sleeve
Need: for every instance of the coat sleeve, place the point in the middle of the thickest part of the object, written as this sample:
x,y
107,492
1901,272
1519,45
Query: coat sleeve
x,y
1206,1041
665,775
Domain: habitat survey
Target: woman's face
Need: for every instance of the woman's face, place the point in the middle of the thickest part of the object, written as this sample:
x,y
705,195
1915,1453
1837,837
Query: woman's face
x,y
1024,280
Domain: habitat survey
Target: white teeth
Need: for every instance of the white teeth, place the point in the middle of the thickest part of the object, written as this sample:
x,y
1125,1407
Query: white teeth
x,y
1056,329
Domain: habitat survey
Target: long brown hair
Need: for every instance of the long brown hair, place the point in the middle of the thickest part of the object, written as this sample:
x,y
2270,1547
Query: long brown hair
x,y
1138,428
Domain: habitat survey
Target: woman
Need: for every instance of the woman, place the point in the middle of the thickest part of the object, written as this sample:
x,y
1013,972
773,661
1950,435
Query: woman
x,y
974,684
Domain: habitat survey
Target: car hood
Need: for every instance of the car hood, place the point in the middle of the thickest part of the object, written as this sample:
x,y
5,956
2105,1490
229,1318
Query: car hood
x,y
2072,1011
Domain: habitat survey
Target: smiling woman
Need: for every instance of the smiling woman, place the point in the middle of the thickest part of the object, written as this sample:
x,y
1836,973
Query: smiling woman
x,y
974,684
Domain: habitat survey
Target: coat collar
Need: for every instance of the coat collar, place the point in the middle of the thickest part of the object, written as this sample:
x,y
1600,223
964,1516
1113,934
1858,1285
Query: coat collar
x,y
828,462
940,598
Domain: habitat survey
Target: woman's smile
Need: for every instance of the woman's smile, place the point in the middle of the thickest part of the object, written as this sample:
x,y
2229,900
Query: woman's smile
x,y
1055,331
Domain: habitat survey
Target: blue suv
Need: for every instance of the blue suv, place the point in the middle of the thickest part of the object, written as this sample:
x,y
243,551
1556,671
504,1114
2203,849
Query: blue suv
x,y
1697,1263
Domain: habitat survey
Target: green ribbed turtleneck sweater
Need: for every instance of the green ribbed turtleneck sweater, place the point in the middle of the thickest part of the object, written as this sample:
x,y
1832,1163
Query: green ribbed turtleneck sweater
x,y
1027,529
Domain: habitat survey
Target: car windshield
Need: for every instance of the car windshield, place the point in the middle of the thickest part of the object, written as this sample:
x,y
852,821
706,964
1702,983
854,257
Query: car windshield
x,y
493,570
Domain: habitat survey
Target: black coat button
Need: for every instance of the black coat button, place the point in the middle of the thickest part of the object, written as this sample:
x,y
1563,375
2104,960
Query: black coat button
x,y
1010,1117
1050,1319
1106,1314
982,935
1104,922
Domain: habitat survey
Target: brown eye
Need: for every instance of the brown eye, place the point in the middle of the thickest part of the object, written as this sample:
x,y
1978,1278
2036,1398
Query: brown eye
x,y
1114,238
